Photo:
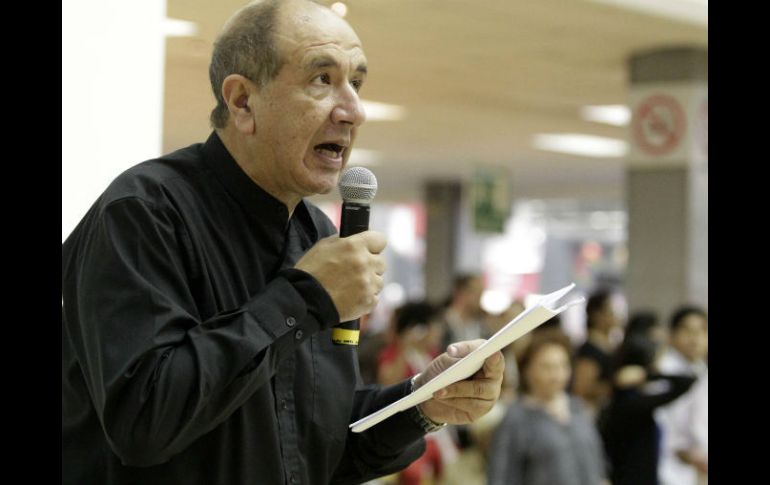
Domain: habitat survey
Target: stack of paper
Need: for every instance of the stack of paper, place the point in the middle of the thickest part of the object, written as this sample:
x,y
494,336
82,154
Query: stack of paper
x,y
530,318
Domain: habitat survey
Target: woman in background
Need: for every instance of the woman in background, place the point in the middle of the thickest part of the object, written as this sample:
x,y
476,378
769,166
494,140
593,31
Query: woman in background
x,y
546,437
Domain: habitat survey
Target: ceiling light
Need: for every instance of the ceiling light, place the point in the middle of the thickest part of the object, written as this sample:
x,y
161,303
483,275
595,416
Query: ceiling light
x,y
583,145
179,28
690,11
339,8
383,111
611,114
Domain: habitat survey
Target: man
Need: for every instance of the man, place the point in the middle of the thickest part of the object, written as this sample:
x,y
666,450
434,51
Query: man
x,y
200,289
684,457
463,315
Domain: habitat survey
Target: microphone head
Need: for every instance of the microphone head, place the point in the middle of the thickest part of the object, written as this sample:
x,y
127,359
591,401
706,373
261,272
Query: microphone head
x,y
358,184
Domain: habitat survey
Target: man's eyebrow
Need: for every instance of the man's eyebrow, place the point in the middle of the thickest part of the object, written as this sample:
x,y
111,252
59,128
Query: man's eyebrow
x,y
326,61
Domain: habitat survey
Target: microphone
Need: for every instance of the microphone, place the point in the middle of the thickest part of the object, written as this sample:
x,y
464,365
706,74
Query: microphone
x,y
357,186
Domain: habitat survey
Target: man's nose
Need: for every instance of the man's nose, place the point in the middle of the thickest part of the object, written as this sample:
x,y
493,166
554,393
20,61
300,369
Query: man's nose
x,y
349,109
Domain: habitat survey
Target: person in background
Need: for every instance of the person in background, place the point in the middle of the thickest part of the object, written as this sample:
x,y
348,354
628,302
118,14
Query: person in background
x,y
687,438
627,425
684,457
591,380
415,343
463,317
647,324
546,437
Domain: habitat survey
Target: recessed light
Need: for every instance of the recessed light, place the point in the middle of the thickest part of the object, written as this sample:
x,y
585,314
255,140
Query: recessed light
x,y
583,145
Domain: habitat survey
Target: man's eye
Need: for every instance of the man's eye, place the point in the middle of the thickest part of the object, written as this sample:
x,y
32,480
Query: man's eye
x,y
322,79
356,83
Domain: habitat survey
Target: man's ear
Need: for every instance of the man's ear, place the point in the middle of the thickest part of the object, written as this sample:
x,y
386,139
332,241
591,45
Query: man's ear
x,y
237,90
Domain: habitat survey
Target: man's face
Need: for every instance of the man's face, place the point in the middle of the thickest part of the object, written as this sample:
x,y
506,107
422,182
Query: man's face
x,y
473,293
307,117
691,337
607,319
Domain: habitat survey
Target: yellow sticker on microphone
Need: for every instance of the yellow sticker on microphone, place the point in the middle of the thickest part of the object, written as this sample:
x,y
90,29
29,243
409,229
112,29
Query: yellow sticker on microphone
x,y
345,336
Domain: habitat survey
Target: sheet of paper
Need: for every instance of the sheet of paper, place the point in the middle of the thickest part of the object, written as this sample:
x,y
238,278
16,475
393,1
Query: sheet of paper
x,y
471,363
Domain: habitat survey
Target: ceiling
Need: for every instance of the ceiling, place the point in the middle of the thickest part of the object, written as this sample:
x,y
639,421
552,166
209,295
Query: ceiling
x,y
478,79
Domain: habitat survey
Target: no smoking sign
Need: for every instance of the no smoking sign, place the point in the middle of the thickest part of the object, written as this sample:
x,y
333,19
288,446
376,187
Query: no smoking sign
x,y
659,124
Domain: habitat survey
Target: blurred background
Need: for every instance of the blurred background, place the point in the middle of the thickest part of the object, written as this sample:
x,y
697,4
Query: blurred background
x,y
524,144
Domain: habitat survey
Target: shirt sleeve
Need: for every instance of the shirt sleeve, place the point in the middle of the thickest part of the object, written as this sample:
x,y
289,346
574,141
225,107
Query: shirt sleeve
x,y
659,390
160,376
385,448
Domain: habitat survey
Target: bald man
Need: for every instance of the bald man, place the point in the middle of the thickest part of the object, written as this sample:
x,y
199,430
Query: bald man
x,y
200,290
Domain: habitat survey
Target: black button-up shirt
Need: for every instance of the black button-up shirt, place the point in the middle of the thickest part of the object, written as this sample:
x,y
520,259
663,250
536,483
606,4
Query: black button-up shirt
x,y
193,351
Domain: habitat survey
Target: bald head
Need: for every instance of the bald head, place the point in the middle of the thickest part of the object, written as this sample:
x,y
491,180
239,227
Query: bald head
x,y
255,40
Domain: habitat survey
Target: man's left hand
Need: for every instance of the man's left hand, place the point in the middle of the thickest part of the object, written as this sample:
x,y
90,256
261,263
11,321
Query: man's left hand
x,y
467,400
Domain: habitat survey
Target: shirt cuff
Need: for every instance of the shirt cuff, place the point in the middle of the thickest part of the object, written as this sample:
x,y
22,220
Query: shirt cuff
x,y
401,429
317,299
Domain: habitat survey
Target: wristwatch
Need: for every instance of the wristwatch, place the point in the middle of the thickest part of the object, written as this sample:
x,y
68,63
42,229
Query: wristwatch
x,y
427,424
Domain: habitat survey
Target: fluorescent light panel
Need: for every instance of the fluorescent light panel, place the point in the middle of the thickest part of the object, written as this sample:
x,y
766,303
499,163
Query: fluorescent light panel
x,y
690,11
179,28
611,114
376,111
583,145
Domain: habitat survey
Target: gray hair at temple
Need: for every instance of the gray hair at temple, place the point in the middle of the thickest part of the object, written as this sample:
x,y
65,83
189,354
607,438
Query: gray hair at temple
x,y
246,46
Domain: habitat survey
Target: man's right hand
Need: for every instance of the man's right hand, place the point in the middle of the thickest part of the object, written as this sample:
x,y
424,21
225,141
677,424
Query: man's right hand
x,y
350,269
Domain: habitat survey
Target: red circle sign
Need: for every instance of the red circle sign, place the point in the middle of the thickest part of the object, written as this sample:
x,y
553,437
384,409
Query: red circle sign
x,y
659,124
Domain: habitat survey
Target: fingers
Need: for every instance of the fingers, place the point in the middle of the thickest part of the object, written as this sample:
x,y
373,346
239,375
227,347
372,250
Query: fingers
x,y
494,366
378,282
350,269
374,241
486,389
378,263
469,399
456,410
461,349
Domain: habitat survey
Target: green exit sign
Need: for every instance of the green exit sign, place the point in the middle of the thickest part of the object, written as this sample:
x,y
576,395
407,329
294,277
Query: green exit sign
x,y
491,200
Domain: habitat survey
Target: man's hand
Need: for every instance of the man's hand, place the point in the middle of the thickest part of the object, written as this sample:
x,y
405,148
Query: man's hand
x,y
467,400
350,269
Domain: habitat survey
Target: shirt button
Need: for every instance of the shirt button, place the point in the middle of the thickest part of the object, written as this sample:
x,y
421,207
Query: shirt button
x,y
293,478
284,406
291,321
298,334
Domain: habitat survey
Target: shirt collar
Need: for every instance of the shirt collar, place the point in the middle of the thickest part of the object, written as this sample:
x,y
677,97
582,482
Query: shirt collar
x,y
254,199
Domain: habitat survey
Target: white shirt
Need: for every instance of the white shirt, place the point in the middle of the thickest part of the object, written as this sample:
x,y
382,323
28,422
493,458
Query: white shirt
x,y
677,421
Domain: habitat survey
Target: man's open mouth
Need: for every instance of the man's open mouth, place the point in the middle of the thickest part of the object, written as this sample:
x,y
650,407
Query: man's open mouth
x,y
331,150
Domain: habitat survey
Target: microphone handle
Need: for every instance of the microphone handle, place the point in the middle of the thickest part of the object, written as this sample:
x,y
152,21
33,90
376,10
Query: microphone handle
x,y
354,219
